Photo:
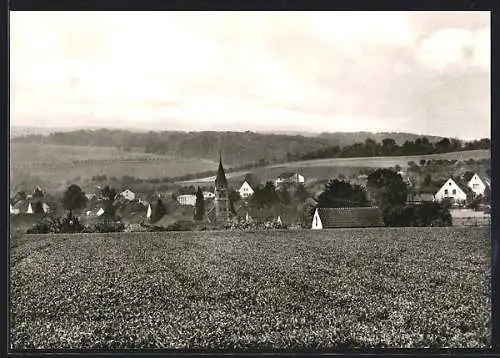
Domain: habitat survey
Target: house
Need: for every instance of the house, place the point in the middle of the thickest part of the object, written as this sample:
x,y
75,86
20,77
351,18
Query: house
x,y
128,194
478,184
100,212
14,211
454,190
329,218
90,196
187,199
289,178
245,190
208,195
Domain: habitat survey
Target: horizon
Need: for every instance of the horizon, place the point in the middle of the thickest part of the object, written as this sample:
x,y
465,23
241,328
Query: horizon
x,y
406,72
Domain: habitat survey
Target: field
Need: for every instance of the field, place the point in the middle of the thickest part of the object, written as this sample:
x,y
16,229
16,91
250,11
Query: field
x,y
327,168
59,163
412,287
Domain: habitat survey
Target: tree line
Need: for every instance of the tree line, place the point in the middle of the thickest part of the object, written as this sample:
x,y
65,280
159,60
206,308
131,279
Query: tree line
x,y
389,147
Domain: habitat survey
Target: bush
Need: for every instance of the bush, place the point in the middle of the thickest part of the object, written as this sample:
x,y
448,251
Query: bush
x,y
109,226
425,214
54,225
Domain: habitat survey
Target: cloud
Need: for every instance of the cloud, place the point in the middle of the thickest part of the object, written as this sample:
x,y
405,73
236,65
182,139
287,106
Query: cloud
x,y
248,70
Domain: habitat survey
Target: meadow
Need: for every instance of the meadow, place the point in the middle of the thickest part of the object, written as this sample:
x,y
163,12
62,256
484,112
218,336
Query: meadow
x,y
59,163
401,287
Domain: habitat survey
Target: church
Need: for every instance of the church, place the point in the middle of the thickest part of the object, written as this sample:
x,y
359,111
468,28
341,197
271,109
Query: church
x,y
222,209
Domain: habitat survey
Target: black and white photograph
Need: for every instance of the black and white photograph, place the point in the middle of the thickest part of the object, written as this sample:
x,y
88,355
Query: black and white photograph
x,y
249,181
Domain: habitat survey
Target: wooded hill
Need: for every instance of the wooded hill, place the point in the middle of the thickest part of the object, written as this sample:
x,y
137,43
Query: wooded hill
x,y
237,147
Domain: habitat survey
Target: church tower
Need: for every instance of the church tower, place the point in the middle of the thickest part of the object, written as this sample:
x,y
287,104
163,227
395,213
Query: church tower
x,y
222,208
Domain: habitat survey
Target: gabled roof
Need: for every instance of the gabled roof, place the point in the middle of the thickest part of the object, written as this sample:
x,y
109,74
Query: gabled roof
x,y
461,184
246,181
220,179
350,217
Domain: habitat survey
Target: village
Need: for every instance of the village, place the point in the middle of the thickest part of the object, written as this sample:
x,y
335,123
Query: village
x,y
287,202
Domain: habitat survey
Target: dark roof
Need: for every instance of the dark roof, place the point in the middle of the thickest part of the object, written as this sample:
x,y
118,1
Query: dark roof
x,y
462,185
350,217
220,180
423,197
286,175
468,176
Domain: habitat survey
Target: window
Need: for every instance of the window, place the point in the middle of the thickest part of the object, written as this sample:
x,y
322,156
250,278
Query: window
x,y
449,183
445,191
454,191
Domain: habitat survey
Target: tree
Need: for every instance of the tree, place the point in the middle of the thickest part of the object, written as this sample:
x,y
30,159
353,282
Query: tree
x,y
301,193
199,211
339,193
284,195
159,211
74,198
19,196
388,191
427,180
108,193
388,146
234,196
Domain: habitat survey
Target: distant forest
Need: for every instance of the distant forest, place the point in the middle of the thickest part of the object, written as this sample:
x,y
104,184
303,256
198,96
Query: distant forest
x,y
246,149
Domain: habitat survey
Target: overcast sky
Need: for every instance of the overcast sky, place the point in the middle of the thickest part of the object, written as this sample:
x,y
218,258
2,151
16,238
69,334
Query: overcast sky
x,y
421,72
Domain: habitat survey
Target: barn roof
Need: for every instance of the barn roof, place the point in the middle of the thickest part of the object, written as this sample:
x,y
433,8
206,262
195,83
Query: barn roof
x,y
350,217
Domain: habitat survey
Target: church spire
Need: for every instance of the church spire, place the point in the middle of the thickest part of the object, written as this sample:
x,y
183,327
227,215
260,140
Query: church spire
x,y
220,180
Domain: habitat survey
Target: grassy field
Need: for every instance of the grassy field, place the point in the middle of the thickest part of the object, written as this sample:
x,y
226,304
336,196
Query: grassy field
x,y
58,163
327,168
412,287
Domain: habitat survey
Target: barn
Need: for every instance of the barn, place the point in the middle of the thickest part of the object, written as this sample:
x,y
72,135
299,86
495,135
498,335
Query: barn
x,y
329,218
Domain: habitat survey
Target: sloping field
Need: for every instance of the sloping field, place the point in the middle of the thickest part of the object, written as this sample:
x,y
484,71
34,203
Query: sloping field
x,y
59,163
416,287
318,168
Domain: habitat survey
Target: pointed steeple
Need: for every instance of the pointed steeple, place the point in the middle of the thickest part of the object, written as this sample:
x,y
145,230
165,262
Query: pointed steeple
x,y
220,180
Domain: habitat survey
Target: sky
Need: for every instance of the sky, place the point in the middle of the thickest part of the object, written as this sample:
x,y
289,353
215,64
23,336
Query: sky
x,y
419,72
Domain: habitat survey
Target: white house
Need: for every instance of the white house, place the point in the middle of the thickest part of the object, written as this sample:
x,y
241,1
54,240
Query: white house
x,y
30,209
452,190
290,178
148,214
128,194
477,184
246,190
100,212
45,208
187,199
208,195
14,211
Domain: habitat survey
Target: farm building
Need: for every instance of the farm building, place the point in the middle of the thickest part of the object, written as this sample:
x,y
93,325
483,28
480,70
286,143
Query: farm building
x,y
454,190
128,194
38,191
478,184
245,190
187,199
289,178
469,217
329,218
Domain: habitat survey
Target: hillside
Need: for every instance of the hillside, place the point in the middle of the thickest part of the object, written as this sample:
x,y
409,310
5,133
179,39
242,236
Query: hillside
x,y
328,168
237,147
